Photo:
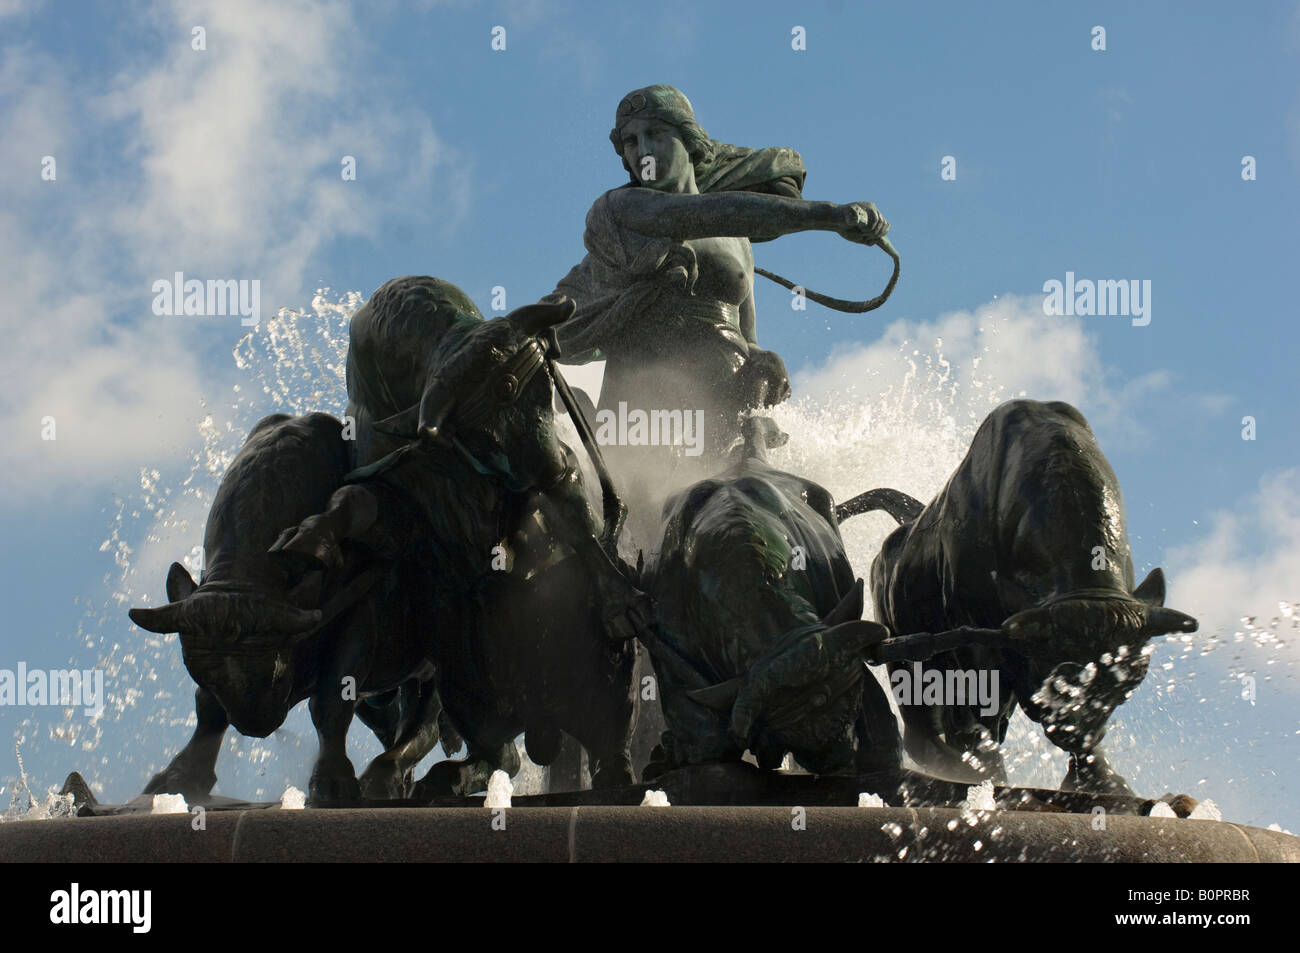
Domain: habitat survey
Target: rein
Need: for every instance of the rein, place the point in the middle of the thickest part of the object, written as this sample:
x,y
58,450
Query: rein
x,y
840,304
614,510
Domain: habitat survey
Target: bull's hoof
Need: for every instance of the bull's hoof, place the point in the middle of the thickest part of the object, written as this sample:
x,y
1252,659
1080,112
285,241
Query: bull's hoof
x,y
177,780
658,765
614,773
384,781
333,783
428,789
1095,778
1181,804
465,778
444,779
543,744
770,757
311,545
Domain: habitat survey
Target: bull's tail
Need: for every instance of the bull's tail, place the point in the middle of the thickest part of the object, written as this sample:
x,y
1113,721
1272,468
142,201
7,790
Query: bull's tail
x,y
896,503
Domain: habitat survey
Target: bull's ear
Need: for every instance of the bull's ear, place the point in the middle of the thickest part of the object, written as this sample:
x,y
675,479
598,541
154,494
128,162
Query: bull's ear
x,y
1152,589
849,609
180,584
533,319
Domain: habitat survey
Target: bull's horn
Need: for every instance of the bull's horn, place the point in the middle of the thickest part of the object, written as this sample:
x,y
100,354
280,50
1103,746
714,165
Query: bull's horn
x,y
163,619
401,424
533,319
1162,621
435,409
854,636
288,619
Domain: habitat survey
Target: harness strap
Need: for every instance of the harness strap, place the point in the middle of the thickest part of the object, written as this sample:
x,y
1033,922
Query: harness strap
x,y
504,386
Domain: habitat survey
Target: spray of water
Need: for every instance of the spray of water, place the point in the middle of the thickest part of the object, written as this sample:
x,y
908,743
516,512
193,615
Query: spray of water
x,y
905,427
23,804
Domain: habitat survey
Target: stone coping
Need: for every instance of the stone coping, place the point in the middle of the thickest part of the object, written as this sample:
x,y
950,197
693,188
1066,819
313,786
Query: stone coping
x,y
639,834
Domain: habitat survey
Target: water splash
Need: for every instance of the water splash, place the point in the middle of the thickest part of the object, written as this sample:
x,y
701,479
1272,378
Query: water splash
x,y
293,363
904,425
23,805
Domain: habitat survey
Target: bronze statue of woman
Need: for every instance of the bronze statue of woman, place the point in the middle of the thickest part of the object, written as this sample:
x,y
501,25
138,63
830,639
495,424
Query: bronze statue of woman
x,y
665,293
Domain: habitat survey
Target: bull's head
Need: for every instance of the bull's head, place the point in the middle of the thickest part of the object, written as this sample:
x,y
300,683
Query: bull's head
x,y
239,645
492,395
1079,656
804,691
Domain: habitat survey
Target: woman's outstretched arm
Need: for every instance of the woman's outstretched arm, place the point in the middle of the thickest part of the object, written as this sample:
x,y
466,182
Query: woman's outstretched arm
x,y
751,215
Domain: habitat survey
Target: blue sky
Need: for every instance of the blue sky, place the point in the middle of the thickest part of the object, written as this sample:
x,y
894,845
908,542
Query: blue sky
x,y
479,166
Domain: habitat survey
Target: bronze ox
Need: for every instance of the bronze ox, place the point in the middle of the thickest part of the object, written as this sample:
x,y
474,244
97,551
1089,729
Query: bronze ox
x,y
1020,566
258,639
465,532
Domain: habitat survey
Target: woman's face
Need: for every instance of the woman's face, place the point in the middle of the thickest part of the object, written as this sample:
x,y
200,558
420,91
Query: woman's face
x,y
654,150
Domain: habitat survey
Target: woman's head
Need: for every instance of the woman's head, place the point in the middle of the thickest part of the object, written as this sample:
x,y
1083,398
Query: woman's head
x,y
667,105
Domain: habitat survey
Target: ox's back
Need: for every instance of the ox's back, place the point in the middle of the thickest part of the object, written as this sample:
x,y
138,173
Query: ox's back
x,y
405,329
1017,523
285,472
1059,513
728,576
1026,541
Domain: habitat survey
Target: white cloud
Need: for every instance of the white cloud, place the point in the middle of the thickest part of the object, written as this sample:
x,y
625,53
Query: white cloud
x,y
36,122
222,163
971,361
240,145
1247,564
112,413
114,392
